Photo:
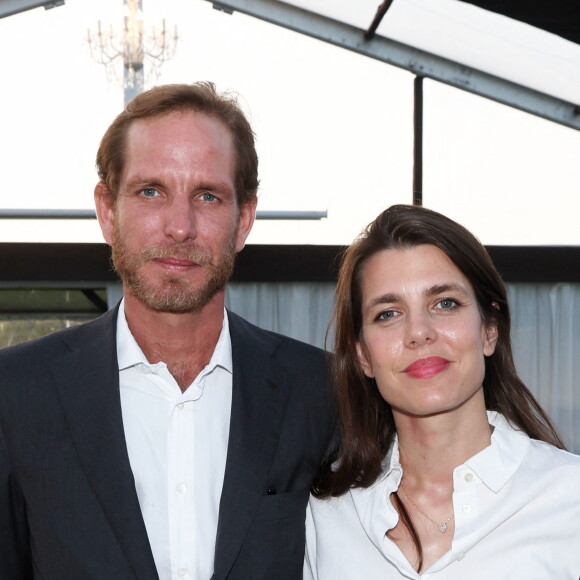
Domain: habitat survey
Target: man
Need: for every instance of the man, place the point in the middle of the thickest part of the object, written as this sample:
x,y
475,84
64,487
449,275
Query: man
x,y
167,439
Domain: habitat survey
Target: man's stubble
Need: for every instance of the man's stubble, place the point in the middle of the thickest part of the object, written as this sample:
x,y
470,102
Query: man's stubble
x,y
172,292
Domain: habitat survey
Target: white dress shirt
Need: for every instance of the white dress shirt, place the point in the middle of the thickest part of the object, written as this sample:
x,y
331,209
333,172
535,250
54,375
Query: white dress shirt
x,y
517,517
177,444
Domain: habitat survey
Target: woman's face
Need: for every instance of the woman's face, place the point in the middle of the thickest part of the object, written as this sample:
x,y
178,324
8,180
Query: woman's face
x,y
423,339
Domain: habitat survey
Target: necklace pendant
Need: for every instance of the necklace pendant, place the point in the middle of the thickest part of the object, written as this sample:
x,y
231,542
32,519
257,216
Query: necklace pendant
x,y
442,527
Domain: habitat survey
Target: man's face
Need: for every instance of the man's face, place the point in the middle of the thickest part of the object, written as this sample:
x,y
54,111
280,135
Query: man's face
x,y
176,225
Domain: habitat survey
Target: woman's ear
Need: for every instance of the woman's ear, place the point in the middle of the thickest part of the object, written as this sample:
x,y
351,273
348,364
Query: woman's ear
x,y
363,360
491,335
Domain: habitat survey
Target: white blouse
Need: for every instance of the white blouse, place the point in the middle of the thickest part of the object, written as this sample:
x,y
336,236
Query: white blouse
x,y
517,516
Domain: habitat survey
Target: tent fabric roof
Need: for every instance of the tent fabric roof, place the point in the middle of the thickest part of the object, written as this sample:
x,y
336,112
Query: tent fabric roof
x,y
487,41
450,41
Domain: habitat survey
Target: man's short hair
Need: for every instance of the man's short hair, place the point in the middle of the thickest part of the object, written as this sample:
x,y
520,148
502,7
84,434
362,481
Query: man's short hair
x,y
200,97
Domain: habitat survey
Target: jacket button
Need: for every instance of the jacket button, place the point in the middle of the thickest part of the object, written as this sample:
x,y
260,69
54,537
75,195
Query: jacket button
x,y
271,490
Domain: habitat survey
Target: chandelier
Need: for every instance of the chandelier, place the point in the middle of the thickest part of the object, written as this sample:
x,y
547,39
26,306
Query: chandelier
x,y
134,44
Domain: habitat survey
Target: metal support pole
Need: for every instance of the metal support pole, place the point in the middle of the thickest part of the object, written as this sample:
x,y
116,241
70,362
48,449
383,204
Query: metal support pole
x,y
418,141
89,214
11,7
133,88
381,11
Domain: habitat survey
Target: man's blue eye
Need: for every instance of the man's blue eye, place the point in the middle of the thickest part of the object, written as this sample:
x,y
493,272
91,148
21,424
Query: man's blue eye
x,y
447,303
149,192
208,197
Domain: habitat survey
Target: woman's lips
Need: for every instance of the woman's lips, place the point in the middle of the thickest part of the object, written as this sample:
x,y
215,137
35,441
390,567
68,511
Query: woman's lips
x,y
425,368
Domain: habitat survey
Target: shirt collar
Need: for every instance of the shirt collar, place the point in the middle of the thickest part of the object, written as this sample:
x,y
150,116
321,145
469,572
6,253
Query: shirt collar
x,y
498,462
129,353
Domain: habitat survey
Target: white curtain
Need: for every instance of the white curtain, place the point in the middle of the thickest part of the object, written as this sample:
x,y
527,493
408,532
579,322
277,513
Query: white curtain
x,y
545,334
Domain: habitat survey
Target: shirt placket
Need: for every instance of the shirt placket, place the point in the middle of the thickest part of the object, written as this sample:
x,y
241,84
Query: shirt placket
x,y
180,489
468,509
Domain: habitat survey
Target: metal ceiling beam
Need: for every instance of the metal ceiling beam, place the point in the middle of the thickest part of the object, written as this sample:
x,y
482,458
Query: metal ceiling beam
x,y
11,7
90,214
412,59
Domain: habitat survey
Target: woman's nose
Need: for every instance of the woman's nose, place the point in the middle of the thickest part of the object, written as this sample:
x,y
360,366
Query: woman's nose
x,y
420,329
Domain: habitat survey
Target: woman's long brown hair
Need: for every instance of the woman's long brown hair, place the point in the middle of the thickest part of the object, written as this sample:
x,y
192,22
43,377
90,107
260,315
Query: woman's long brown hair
x,y
366,420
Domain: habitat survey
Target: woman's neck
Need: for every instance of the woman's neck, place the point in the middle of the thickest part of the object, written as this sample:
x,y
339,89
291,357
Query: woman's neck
x,y
431,447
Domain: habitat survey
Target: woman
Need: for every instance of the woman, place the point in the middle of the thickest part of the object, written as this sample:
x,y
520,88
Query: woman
x,y
447,467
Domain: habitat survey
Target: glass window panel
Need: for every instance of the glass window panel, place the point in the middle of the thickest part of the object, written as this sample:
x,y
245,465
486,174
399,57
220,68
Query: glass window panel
x,y
30,313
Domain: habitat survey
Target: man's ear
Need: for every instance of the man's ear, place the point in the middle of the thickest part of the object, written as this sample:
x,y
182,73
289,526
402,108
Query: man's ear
x,y
245,223
104,204
363,360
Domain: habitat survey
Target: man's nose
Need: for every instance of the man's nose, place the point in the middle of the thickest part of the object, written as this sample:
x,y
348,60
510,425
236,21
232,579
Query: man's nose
x,y
180,220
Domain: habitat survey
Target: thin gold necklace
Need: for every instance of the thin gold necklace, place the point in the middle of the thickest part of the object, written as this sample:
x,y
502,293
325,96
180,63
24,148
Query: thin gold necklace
x,y
441,527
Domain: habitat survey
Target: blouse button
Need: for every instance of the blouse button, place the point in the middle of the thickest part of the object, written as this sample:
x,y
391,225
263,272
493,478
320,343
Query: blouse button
x,y
468,477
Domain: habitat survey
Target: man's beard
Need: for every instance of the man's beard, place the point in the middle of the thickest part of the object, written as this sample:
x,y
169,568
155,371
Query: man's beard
x,y
172,292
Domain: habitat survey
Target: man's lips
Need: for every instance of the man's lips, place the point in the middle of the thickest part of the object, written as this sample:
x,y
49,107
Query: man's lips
x,y
176,263
425,368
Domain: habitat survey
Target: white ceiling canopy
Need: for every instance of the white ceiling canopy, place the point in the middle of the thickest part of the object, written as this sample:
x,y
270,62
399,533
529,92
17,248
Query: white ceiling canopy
x,y
337,132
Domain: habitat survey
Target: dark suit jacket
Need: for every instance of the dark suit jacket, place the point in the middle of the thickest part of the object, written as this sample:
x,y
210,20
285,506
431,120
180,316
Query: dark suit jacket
x,y
68,506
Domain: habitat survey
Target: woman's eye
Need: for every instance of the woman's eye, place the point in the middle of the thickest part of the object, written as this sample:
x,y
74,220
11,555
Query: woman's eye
x,y
149,192
387,315
447,304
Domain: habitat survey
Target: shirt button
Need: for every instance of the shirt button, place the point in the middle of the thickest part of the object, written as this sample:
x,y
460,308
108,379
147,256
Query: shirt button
x,y
180,407
460,557
182,488
182,572
468,477
466,508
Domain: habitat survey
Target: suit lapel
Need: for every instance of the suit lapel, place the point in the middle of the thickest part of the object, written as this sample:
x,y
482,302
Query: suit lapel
x,y
257,407
87,382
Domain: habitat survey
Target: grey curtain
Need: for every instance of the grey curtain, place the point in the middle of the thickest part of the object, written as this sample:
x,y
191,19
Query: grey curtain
x,y
545,334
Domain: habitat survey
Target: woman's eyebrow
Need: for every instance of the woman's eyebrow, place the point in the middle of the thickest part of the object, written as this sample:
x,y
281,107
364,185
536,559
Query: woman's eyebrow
x,y
442,288
434,290
384,299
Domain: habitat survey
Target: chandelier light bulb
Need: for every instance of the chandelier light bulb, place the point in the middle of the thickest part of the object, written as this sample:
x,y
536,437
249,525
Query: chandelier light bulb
x,y
135,44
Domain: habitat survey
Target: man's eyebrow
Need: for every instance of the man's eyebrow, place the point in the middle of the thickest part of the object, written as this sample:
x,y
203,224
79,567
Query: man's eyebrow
x,y
212,186
144,182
